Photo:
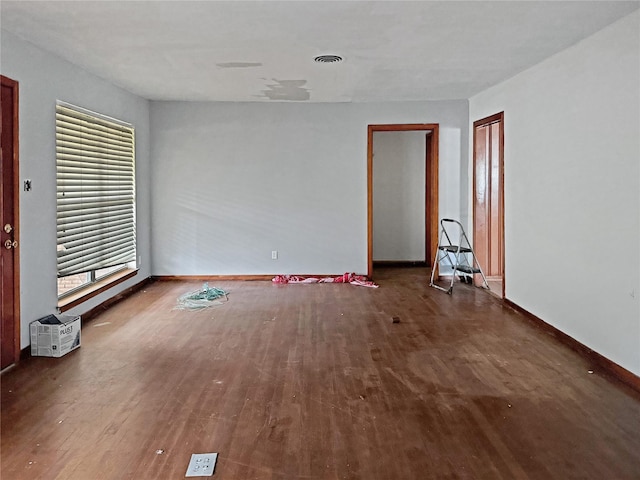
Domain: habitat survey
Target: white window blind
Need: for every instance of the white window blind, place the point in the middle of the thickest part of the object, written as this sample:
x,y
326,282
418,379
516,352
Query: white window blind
x,y
95,165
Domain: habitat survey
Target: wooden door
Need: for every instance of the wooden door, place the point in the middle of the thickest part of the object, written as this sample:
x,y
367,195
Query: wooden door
x,y
10,288
488,204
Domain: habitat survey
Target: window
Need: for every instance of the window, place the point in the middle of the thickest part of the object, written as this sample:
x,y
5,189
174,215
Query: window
x,y
95,172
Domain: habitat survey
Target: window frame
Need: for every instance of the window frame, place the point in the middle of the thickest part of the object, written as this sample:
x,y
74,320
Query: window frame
x,y
95,283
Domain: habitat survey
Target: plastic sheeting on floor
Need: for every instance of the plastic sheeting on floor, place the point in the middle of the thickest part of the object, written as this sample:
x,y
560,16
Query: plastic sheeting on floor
x,y
351,278
203,298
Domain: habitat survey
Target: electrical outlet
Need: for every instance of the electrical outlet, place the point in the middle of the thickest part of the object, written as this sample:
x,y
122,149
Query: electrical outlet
x,y
202,465
274,254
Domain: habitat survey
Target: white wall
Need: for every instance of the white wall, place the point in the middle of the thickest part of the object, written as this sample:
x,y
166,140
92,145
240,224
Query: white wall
x,y
572,189
399,196
232,182
44,78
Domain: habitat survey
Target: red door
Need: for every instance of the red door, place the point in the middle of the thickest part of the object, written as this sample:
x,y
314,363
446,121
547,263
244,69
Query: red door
x,y
10,302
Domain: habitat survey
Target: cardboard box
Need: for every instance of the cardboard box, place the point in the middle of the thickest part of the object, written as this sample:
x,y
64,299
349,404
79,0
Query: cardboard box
x,y
55,335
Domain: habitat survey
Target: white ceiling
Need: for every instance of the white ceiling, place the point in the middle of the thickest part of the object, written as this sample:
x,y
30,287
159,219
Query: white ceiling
x,y
264,50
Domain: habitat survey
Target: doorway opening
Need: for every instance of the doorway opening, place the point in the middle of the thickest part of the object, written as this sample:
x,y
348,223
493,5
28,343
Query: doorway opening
x,y
9,228
429,155
488,199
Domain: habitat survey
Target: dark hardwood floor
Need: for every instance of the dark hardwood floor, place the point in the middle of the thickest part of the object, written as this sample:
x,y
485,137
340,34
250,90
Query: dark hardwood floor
x,y
316,382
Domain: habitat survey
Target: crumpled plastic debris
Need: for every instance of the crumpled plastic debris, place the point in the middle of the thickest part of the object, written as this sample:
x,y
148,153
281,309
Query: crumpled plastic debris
x,y
203,298
351,278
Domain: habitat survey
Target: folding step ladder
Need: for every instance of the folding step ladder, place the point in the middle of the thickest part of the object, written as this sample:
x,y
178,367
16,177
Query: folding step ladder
x,y
464,259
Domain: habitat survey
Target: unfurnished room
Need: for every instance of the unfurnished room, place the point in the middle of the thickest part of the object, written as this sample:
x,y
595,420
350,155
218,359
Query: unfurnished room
x,y
320,240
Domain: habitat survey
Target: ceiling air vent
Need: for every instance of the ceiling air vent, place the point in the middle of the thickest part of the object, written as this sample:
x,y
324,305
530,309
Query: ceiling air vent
x,y
327,59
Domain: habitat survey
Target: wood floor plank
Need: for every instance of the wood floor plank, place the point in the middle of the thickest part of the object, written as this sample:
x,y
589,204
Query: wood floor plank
x,y
318,382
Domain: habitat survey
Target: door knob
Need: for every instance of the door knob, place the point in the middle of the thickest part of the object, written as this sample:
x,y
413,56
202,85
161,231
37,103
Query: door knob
x,y
8,228
8,244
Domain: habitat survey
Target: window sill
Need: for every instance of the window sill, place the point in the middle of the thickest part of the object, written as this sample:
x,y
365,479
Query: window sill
x,y
90,291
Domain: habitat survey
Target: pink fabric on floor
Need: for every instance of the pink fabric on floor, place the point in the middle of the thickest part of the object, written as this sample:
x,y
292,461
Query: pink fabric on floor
x,y
351,278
